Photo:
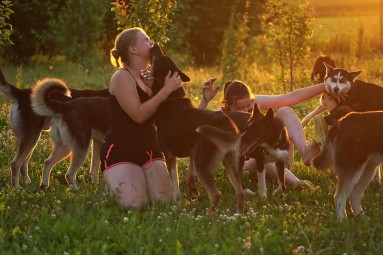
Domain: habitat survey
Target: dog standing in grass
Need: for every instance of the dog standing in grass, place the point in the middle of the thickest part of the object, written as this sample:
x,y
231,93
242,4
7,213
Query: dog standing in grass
x,y
74,124
354,147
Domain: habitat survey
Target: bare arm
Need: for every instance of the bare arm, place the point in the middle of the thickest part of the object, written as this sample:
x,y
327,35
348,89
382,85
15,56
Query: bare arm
x,y
291,98
312,114
123,86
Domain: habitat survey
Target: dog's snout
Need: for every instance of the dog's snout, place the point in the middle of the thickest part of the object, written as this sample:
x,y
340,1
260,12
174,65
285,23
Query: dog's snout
x,y
336,90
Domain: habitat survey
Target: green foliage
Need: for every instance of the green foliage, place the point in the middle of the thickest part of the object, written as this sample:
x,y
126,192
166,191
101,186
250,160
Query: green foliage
x,y
77,29
238,46
288,33
154,16
5,26
30,20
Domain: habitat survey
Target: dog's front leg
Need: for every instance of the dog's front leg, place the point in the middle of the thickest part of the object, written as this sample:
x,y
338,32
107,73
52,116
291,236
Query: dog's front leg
x,y
191,180
280,166
261,172
95,164
171,162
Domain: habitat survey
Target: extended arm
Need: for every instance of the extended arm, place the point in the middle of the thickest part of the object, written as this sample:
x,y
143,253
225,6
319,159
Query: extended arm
x,y
291,98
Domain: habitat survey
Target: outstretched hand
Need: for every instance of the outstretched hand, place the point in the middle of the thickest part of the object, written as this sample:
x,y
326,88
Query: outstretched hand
x,y
208,90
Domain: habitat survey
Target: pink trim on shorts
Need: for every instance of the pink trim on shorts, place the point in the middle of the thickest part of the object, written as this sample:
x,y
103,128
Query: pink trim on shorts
x,y
149,163
107,156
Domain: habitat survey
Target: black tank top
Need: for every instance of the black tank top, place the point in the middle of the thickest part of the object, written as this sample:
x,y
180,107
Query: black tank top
x,y
125,132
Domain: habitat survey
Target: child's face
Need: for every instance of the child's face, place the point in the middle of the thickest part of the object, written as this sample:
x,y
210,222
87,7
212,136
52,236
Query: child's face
x,y
241,105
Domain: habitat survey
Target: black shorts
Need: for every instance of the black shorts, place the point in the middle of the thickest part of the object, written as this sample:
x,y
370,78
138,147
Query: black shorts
x,y
112,155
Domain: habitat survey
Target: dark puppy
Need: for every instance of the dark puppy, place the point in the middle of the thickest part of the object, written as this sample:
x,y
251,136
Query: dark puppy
x,y
265,139
361,96
319,70
354,147
74,123
27,126
206,137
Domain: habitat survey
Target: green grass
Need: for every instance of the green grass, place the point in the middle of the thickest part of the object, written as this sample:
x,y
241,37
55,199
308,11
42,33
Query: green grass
x,y
90,222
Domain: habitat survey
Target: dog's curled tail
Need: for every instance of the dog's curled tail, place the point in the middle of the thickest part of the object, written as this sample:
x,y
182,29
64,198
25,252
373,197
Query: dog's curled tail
x,y
48,97
324,159
224,140
10,91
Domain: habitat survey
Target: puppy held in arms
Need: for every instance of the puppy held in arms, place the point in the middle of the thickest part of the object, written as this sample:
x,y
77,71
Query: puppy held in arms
x,y
354,148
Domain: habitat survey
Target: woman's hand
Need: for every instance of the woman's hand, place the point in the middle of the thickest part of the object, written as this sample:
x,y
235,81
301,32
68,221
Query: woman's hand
x,y
147,78
172,82
329,102
208,90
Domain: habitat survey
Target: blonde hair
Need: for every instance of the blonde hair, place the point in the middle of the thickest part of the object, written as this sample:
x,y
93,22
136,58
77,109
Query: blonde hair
x,y
120,52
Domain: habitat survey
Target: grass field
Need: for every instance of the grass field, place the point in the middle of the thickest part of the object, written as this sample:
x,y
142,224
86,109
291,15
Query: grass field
x,y
89,222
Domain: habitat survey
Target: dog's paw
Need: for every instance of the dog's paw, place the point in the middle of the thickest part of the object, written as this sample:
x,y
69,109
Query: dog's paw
x,y
73,188
27,180
43,187
249,192
278,191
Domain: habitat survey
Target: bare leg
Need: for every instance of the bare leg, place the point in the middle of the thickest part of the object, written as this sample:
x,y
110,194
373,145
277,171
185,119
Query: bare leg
x,y
128,183
296,134
158,182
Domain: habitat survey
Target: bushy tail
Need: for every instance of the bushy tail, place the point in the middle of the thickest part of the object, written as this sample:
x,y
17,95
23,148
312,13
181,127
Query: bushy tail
x,y
224,140
48,97
10,91
324,159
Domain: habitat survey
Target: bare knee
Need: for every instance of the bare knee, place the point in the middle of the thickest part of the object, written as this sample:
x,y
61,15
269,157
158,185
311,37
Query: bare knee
x,y
284,112
138,204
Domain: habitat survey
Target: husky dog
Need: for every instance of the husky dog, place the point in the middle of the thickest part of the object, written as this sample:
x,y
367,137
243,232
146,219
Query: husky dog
x,y
354,147
206,137
74,122
361,96
27,126
265,139
319,70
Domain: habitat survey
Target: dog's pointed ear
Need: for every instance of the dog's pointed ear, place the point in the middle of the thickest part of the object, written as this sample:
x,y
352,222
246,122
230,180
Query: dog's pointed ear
x,y
328,68
355,75
256,109
269,114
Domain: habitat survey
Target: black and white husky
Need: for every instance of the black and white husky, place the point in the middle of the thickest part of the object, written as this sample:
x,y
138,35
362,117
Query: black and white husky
x,y
354,147
361,96
27,125
74,123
